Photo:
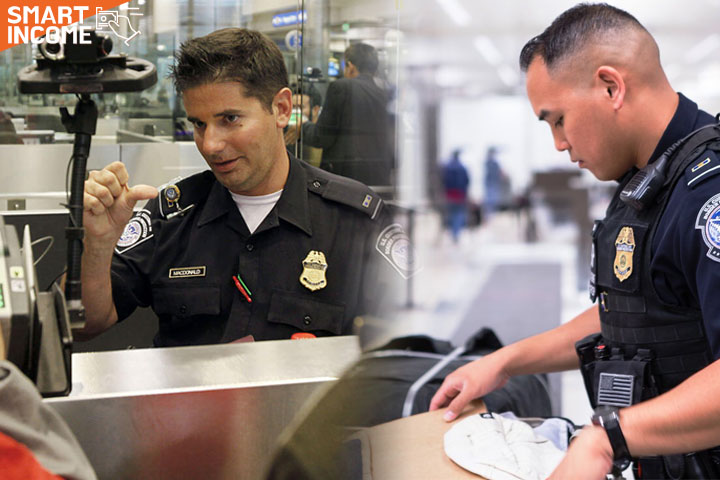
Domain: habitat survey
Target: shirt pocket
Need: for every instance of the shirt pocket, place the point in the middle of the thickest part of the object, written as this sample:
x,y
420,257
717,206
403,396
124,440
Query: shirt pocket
x,y
187,301
306,314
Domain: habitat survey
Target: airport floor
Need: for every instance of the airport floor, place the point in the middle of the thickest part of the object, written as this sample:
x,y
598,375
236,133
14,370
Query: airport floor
x,y
492,278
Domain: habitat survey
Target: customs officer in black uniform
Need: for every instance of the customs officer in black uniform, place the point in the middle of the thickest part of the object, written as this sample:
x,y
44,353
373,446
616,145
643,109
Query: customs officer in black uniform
x,y
649,346
262,244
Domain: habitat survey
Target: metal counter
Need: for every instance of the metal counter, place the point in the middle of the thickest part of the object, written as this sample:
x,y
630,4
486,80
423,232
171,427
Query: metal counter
x,y
210,412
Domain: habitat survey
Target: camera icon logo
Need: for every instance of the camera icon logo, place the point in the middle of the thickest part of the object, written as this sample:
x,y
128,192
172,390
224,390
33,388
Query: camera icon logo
x,y
104,17
120,25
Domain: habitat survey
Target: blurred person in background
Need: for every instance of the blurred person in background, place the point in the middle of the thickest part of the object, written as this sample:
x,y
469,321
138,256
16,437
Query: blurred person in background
x,y
456,182
498,190
494,182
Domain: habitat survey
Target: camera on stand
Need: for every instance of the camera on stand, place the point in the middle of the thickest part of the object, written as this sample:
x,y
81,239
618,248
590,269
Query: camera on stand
x,y
37,326
82,64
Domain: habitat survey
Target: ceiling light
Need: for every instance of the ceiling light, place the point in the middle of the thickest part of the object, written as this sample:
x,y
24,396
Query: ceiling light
x,y
509,76
703,49
488,50
455,11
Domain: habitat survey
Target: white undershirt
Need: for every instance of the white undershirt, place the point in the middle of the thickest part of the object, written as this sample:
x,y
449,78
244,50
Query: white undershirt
x,y
254,209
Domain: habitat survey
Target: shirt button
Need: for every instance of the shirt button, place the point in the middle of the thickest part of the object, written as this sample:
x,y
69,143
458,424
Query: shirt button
x,y
249,247
183,308
316,184
307,320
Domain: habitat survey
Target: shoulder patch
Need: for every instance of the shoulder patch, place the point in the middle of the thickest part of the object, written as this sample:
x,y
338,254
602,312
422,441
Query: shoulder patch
x,y
137,231
708,222
707,165
395,247
348,192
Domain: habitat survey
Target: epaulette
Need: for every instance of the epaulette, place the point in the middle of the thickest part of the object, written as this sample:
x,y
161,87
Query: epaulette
x,y
180,195
345,191
706,166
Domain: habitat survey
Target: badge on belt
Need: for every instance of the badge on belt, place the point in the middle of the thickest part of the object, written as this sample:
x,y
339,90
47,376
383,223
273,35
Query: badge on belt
x,y
624,247
313,274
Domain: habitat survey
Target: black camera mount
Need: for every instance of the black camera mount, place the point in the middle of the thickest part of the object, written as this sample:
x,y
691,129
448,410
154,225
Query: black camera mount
x,y
82,68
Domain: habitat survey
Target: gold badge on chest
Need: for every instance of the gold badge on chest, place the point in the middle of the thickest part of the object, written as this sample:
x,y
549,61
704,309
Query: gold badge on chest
x,y
624,247
313,274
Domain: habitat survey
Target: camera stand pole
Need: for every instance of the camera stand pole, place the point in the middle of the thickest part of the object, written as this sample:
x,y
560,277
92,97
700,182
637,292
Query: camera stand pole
x,y
82,124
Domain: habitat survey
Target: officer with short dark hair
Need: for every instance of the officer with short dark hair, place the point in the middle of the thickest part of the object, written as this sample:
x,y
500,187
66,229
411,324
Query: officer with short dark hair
x,y
261,244
649,349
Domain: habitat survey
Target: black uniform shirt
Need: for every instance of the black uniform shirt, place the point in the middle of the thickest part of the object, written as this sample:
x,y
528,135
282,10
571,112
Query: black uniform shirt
x,y
182,264
682,271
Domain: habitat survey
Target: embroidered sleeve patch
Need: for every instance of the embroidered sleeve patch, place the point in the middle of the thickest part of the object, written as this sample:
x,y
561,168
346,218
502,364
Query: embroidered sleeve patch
x,y
394,245
138,230
708,222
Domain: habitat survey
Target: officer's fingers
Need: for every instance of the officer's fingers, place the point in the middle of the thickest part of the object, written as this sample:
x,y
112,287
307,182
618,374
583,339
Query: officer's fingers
x,y
93,205
142,192
107,179
118,169
458,404
444,395
100,192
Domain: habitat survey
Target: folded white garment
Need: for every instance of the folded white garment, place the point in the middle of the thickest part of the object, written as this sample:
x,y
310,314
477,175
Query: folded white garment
x,y
500,448
555,429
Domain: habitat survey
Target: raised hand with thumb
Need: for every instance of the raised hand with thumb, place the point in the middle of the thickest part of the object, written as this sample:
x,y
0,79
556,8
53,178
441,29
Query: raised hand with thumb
x,y
109,203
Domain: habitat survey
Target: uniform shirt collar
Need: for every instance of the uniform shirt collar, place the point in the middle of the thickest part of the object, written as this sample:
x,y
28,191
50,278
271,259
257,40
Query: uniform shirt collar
x,y
218,203
682,123
292,206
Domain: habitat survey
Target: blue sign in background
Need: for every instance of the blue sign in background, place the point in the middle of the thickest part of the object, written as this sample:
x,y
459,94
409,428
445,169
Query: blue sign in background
x,y
289,18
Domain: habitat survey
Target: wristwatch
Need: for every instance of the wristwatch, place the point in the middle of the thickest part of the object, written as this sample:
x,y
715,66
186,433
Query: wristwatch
x,y
608,418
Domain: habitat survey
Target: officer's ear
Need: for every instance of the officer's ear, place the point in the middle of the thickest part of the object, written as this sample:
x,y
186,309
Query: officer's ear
x,y
282,107
612,85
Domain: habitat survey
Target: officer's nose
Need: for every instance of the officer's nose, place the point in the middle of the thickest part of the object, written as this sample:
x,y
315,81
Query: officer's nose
x,y
561,143
213,141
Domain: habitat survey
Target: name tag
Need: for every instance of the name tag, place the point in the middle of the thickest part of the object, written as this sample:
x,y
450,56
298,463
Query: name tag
x,y
185,272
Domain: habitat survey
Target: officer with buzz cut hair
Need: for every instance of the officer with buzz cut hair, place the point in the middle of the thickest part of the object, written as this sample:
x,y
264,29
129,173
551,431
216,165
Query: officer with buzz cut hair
x,y
649,347
262,244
